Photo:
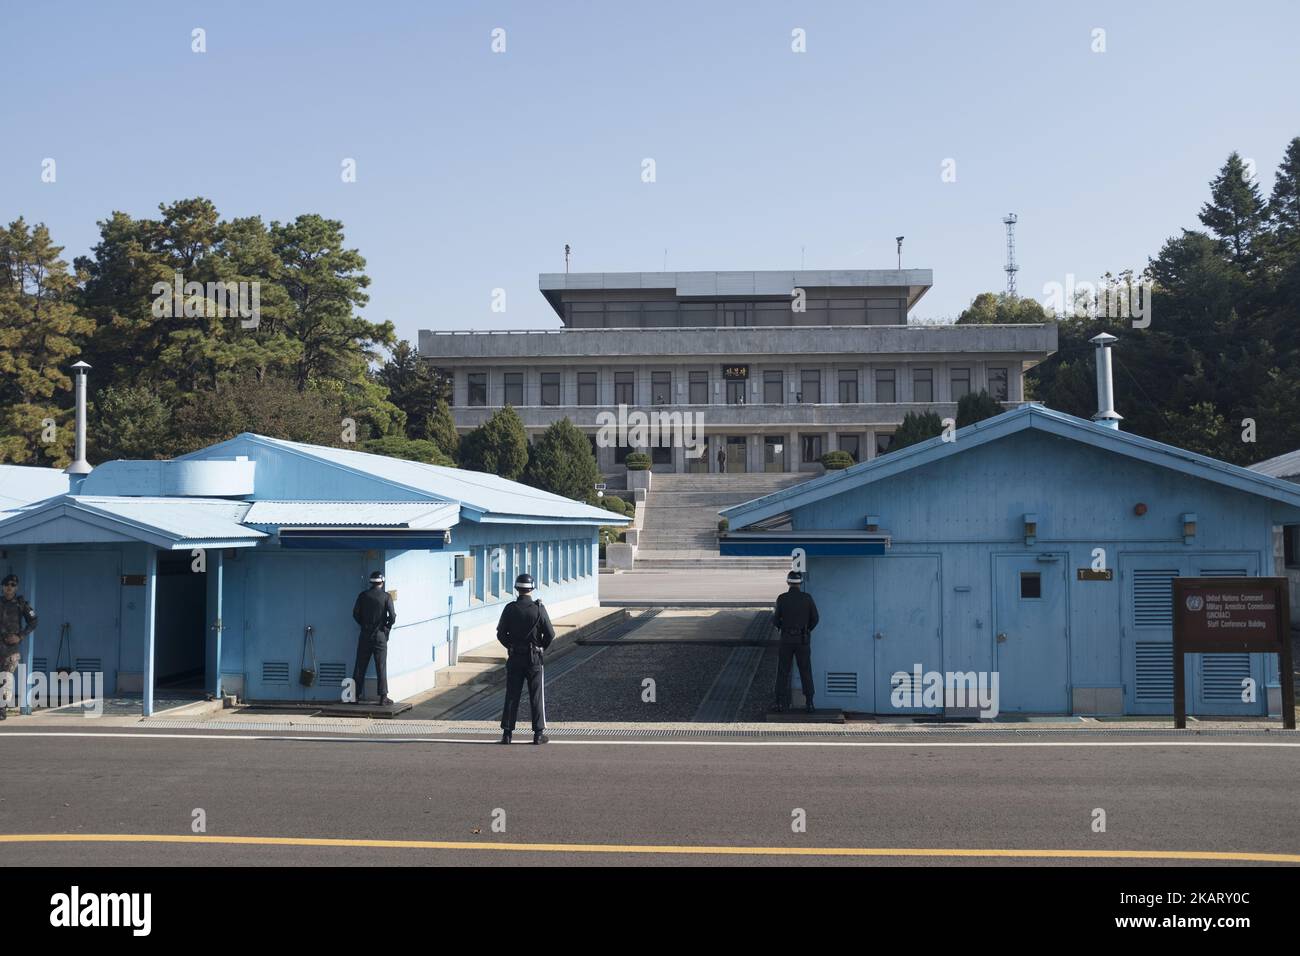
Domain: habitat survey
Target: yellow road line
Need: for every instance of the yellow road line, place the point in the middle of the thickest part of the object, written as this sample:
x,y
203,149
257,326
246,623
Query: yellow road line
x,y
1203,855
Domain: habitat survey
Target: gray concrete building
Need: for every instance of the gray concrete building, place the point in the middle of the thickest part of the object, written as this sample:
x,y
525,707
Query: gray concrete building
x,y
774,369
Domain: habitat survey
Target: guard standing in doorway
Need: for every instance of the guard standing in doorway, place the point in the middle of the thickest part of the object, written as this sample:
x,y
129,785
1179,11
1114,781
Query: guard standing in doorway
x,y
17,620
374,612
795,616
525,631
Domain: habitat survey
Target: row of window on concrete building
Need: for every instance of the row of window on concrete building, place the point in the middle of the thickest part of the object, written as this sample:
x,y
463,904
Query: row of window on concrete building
x,y
768,386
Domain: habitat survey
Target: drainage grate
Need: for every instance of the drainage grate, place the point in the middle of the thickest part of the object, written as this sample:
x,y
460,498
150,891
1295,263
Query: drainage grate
x,y
421,728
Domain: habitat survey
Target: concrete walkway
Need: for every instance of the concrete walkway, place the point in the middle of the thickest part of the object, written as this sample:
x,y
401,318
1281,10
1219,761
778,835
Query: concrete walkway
x,y
698,586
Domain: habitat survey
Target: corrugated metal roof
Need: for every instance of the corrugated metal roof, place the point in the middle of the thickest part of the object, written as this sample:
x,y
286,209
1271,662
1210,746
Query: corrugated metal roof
x,y
749,513
21,485
186,519
478,490
424,515
1283,466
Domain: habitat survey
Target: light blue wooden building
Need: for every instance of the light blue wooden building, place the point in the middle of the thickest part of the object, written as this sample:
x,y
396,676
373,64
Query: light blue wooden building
x,y
207,570
966,556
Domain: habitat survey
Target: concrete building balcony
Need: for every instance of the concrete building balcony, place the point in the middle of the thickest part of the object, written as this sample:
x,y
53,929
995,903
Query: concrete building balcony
x,y
693,344
720,417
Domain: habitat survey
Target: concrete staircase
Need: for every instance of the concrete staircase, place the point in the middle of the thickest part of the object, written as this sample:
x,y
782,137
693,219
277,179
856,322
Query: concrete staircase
x,y
680,530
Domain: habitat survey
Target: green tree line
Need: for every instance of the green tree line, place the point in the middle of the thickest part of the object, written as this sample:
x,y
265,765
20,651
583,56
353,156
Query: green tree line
x,y
1213,365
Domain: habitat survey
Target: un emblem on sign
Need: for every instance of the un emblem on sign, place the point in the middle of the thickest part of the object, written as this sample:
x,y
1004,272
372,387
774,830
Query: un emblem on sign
x,y
1195,602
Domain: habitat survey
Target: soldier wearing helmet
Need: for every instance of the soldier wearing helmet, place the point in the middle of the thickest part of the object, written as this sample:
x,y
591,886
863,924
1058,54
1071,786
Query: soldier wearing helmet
x,y
374,613
795,616
525,631
17,620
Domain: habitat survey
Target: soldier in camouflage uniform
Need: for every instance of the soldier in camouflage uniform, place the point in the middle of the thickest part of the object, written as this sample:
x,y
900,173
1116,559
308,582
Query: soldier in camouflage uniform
x,y
17,620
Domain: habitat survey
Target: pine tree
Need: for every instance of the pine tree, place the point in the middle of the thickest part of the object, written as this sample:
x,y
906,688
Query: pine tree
x,y
1284,204
498,446
916,427
442,431
412,386
1235,211
562,463
975,407
41,335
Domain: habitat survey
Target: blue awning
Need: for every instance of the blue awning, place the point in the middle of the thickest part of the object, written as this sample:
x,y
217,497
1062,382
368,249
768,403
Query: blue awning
x,y
781,544
364,539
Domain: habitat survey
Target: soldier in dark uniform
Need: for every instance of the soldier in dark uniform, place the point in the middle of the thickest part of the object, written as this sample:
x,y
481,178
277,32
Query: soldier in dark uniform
x,y
525,631
795,617
17,620
374,612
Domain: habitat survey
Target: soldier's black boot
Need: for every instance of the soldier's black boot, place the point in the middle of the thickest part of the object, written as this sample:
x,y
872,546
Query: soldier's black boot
x,y
505,737
539,737
3,712
810,708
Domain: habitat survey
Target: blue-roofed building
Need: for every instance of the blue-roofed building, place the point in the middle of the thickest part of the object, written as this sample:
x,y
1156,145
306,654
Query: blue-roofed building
x,y
1034,546
226,567
21,485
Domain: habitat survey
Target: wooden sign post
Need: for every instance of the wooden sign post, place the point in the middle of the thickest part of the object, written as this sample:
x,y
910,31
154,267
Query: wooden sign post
x,y
1232,616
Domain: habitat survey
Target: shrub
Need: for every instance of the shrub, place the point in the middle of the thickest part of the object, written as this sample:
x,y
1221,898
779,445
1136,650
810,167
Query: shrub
x,y
723,525
835,460
638,461
561,462
975,407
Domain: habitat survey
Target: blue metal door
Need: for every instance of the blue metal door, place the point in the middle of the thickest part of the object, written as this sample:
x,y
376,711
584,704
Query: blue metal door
x,y
287,593
82,591
1031,633
906,630
1214,681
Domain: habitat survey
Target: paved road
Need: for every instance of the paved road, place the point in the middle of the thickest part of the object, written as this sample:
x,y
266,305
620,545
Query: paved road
x,y
1235,796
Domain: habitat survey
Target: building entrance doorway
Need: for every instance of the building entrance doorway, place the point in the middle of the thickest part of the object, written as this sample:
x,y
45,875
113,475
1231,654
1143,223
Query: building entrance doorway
x,y
180,629
736,454
774,453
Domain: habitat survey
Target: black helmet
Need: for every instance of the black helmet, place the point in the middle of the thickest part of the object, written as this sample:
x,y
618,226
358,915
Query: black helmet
x,y
794,577
524,582
10,579
376,577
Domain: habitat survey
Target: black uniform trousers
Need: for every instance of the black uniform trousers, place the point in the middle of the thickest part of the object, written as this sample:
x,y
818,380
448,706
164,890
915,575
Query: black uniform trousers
x,y
368,647
802,653
520,668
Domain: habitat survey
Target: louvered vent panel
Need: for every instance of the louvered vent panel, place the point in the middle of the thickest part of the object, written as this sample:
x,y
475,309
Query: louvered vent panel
x,y
842,682
275,672
332,673
1222,676
1153,603
1155,672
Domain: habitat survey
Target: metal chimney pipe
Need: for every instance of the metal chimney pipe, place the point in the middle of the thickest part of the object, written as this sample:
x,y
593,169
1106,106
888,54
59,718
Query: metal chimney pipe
x,y
79,465
1106,415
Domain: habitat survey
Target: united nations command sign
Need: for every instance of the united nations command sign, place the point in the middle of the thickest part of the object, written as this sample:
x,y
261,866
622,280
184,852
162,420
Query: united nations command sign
x,y
1231,616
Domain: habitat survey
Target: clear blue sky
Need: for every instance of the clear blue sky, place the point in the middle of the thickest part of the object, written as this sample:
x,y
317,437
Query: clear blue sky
x,y
475,168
